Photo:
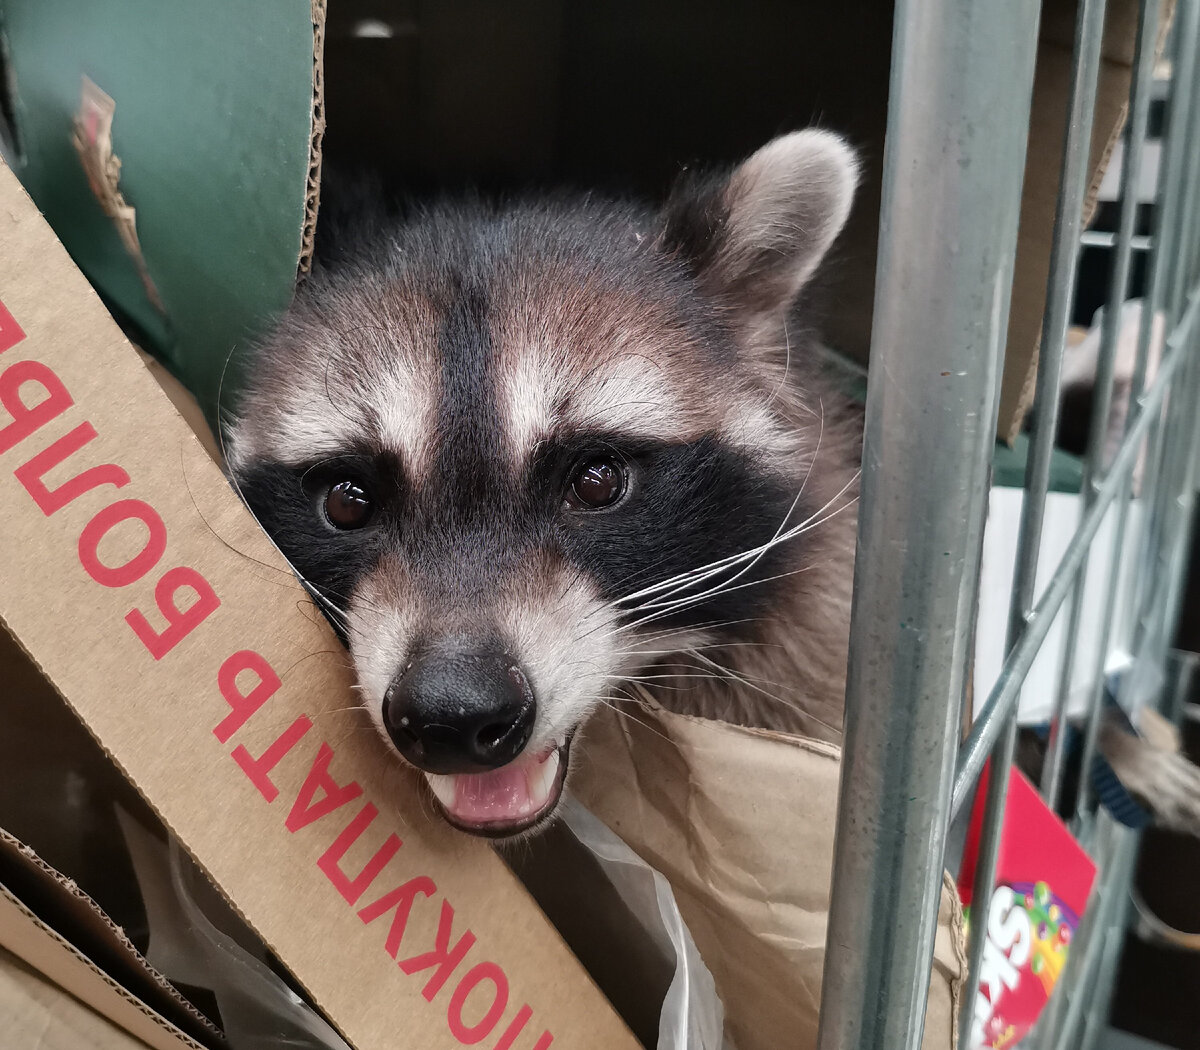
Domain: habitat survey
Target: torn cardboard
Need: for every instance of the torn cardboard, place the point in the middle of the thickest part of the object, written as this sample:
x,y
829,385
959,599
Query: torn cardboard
x,y
149,597
92,140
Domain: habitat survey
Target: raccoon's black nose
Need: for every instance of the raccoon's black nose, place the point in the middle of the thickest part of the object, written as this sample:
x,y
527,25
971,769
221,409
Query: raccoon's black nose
x,y
459,712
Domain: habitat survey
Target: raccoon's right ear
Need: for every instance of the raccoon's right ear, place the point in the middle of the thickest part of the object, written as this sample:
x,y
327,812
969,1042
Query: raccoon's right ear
x,y
754,236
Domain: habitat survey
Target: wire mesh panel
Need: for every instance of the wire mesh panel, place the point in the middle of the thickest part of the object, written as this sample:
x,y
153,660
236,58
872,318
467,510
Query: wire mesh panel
x,y
960,98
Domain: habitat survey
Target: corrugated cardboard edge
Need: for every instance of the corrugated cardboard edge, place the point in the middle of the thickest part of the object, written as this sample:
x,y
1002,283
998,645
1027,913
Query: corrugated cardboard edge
x,y
187,849
312,198
40,1015
30,939
65,896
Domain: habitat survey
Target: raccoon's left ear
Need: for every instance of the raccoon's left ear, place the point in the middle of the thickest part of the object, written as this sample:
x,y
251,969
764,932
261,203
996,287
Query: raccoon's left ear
x,y
753,237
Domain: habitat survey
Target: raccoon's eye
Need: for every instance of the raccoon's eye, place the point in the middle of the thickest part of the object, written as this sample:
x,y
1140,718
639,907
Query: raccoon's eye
x,y
348,506
596,483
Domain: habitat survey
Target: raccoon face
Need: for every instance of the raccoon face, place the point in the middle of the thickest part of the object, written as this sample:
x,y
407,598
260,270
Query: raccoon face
x,y
522,454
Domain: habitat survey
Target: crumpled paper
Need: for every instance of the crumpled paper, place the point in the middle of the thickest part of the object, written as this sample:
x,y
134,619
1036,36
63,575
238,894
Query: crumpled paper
x,y
741,823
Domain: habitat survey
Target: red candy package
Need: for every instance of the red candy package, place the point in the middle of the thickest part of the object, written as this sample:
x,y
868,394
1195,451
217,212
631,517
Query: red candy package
x,y
1043,879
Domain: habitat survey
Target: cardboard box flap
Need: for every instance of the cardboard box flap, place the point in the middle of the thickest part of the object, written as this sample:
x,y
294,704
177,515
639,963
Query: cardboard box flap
x,y
60,906
58,799
741,822
182,640
213,124
28,938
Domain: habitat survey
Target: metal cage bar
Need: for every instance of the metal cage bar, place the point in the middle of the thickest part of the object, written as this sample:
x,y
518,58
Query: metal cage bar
x,y
1060,294
961,84
1003,697
1183,88
960,93
1093,463
1079,1007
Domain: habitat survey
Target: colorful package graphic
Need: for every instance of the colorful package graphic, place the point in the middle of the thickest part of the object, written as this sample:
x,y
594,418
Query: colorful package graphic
x,y
1043,879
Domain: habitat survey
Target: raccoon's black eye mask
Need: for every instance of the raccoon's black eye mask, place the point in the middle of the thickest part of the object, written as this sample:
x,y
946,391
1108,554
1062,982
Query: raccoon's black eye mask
x,y
350,503
626,515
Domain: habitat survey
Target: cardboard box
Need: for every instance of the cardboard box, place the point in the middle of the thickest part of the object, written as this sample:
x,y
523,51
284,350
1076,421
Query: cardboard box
x,y
40,1015
219,112
147,595
38,1007
310,827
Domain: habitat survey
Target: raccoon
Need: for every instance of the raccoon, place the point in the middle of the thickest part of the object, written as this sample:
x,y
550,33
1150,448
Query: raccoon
x,y
531,456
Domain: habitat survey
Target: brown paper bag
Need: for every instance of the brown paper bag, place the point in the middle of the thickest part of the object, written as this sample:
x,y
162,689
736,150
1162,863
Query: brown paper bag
x,y
741,822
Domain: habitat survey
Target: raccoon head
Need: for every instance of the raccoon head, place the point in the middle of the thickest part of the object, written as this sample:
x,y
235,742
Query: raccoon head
x,y
520,454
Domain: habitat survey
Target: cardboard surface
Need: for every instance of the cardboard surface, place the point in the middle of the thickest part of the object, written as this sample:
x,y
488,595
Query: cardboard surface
x,y
159,610
741,822
213,126
41,1017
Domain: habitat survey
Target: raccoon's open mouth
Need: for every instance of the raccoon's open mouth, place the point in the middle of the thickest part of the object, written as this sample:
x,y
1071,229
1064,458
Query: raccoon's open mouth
x,y
504,801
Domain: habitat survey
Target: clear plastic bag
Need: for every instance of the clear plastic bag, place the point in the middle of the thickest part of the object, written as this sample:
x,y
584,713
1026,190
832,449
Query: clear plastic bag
x,y
692,1016
258,1010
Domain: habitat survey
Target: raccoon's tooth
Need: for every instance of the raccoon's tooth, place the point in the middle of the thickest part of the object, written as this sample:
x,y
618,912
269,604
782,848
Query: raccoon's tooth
x,y
444,788
541,779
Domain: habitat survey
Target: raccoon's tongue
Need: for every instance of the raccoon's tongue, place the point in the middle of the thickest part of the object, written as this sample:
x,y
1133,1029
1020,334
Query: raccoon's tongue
x,y
503,799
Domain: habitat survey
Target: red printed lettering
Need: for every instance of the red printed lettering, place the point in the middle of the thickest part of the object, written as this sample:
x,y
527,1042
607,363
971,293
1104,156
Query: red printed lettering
x,y
10,331
137,566
444,959
330,862
401,900
515,1027
307,806
180,622
259,769
469,1034
50,500
27,418
243,704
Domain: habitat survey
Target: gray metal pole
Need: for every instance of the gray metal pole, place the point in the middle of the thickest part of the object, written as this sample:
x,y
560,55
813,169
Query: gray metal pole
x,y
1060,294
1179,463
1093,463
1166,240
962,75
1003,697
